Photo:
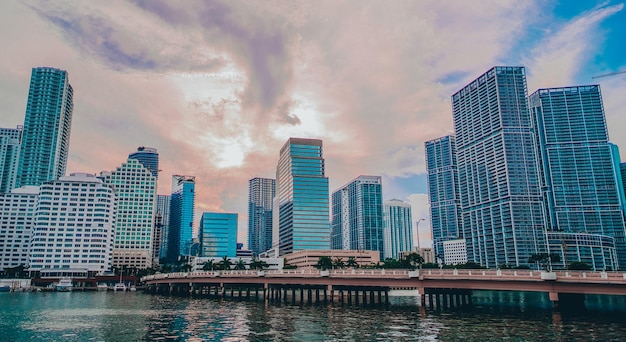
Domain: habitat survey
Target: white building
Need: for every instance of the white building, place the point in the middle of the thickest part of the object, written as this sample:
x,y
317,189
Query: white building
x,y
73,227
398,228
135,188
454,252
17,212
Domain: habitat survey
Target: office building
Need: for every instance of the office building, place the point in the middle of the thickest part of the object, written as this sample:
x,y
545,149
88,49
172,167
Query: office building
x,y
443,191
301,203
135,189
218,235
74,227
182,205
261,192
357,215
10,140
161,227
502,213
17,217
149,158
454,252
580,177
398,228
47,124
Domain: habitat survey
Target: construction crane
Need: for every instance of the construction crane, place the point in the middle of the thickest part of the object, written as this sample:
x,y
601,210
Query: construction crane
x,y
611,74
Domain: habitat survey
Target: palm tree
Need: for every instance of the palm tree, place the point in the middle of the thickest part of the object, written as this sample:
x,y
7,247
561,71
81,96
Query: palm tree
x,y
324,263
257,264
352,262
338,263
225,263
186,267
208,265
240,265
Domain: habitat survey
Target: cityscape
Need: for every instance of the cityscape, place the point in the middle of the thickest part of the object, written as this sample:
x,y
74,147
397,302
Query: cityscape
x,y
517,199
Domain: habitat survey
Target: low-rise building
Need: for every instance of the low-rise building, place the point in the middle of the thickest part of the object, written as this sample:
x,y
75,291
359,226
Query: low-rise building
x,y
309,258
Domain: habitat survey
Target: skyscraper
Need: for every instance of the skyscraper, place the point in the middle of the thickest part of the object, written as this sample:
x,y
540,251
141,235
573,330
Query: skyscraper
x,y
17,217
443,191
10,141
135,190
148,157
301,197
47,124
161,227
218,235
503,219
398,228
182,205
261,192
581,190
357,215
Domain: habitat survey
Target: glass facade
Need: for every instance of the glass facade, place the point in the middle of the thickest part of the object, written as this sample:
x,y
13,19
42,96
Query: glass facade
x,y
302,220
398,228
357,215
218,235
47,124
580,180
261,192
161,225
443,191
501,206
10,140
149,158
182,205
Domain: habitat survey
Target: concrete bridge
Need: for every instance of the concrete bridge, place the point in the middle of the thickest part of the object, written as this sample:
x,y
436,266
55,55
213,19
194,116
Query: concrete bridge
x,y
437,288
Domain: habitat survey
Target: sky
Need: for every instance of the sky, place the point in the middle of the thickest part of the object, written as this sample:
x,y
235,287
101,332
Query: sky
x,y
219,86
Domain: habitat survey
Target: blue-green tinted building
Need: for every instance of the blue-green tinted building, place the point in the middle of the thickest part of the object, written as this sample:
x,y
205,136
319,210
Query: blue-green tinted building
x,y
47,124
301,203
357,215
501,205
398,228
581,181
148,157
261,193
10,140
218,235
443,191
182,205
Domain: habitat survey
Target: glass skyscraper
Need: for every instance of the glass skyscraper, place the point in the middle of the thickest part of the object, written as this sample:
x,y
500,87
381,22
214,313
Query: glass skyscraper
x,y
161,227
581,190
47,124
182,205
398,228
218,235
261,192
148,157
503,219
443,191
301,203
10,140
357,215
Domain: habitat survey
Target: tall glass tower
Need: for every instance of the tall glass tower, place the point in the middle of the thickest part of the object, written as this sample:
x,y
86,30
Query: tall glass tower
x,y
218,235
148,157
261,192
503,219
583,196
357,220
398,228
10,140
161,228
443,191
301,197
46,136
182,205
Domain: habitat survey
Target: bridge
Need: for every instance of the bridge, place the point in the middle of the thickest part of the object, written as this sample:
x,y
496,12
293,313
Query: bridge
x,y
436,287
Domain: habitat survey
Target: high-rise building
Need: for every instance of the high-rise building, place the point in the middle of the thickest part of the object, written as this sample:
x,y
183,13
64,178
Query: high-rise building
x,y
581,183
398,228
261,192
148,157
135,189
47,124
357,215
74,225
10,141
17,217
443,192
218,235
182,205
161,227
301,204
503,219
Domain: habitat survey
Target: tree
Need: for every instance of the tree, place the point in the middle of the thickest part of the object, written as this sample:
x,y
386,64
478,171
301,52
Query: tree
x,y
414,260
324,263
186,267
352,262
578,265
240,265
338,263
208,265
225,263
545,260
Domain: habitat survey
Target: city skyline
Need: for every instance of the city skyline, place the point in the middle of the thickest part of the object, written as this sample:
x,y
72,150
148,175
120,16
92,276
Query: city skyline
x,y
220,108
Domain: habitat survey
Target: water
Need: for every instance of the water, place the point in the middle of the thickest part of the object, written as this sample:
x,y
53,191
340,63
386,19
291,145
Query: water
x,y
107,316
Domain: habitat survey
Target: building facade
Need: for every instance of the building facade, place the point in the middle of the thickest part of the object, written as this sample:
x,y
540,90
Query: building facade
x,y
581,183
135,189
10,142
357,215
47,125
182,205
74,227
454,252
501,204
443,191
161,227
148,157
17,217
218,235
301,203
398,228
261,192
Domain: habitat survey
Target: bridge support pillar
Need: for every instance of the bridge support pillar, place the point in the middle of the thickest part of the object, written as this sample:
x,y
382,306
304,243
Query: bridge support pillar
x,y
554,298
